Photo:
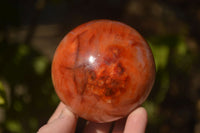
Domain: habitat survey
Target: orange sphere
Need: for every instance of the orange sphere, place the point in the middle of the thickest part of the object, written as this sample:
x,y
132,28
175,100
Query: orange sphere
x,y
102,70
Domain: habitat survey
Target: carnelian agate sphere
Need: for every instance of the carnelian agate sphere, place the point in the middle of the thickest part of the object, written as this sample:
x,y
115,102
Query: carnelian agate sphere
x,y
102,70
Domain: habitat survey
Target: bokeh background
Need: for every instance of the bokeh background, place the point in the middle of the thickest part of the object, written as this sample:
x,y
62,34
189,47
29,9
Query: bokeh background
x,y
30,31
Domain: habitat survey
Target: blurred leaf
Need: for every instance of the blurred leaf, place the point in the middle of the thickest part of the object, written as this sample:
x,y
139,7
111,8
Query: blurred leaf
x,y
40,64
182,58
2,100
33,122
1,87
22,51
164,87
54,99
181,47
18,106
161,55
14,126
152,110
2,95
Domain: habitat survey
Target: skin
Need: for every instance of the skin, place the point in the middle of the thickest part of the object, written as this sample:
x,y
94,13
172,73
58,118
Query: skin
x,y
64,121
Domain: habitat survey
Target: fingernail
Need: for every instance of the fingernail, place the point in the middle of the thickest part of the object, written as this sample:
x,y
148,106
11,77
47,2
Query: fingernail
x,y
62,114
65,112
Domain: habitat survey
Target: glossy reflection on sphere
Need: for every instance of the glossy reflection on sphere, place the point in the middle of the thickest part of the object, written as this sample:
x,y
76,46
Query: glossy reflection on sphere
x,y
102,70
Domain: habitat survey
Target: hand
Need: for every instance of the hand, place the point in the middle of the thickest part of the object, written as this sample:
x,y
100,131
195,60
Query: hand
x,y
64,121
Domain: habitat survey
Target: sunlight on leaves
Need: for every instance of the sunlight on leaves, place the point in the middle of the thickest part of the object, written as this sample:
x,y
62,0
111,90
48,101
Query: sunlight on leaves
x,y
2,101
14,126
161,54
40,65
2,95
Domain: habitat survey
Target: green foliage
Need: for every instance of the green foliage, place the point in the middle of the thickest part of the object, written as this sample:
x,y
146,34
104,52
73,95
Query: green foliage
x,y
152,110
40,65
22,51
2,95
27,96
161,55
171,58
14,126
31,93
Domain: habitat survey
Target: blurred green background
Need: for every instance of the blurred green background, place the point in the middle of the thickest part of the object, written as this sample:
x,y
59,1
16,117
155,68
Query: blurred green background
x,y
30,31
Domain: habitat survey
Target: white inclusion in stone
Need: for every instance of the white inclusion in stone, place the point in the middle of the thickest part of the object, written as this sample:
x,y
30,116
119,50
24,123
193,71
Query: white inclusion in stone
x,y
92,59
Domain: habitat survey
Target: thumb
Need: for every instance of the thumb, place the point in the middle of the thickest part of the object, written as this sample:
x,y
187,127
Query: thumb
x,y
136,121
65,123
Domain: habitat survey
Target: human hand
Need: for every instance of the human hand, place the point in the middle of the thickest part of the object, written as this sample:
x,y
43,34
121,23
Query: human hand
x,y
64,121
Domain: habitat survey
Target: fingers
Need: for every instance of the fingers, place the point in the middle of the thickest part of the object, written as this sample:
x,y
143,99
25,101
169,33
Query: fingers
x,y
92,127
57,112
136,121
62,121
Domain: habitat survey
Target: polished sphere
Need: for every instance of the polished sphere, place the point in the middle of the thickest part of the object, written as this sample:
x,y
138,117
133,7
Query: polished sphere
x,y
102,70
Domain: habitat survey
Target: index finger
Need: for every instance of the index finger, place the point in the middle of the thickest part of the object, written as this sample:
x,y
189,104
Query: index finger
x,y
57,112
